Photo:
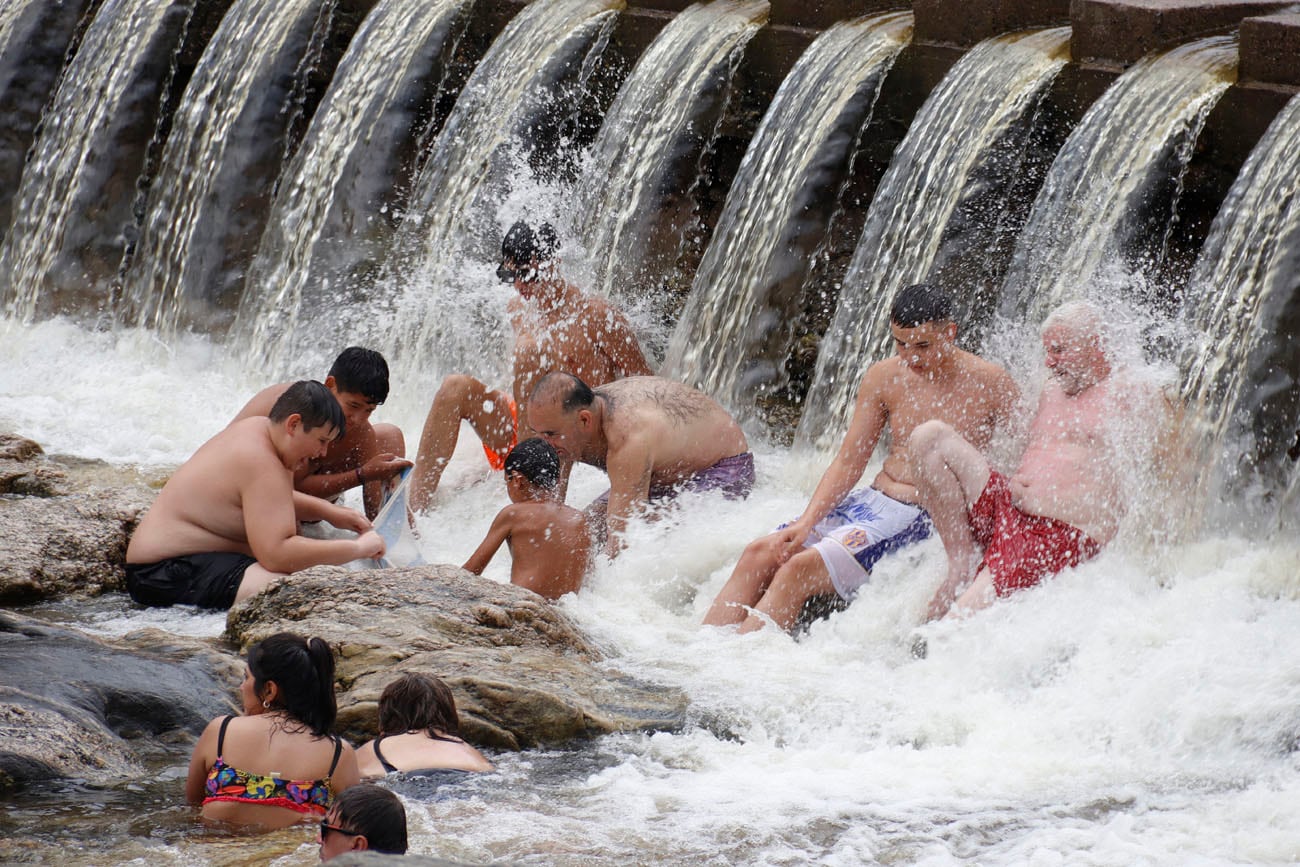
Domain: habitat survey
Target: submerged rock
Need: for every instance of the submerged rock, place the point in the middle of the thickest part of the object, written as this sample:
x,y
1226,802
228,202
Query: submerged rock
x,y
523,675
72,705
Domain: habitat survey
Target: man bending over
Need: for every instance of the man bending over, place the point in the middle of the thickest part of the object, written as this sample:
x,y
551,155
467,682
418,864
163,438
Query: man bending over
x,y
556,327
366,455
1065,499
226,524
833,545
655,437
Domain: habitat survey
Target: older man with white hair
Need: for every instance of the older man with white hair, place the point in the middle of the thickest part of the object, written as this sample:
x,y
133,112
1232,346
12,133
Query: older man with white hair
x,y
1066,497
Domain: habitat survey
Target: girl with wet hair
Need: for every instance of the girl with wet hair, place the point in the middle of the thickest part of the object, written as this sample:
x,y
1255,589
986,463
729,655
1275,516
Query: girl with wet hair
x,y
419,730
277,763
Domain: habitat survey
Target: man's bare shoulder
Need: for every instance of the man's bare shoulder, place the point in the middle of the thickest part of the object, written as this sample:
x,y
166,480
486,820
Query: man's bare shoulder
x,y
261,403
540,517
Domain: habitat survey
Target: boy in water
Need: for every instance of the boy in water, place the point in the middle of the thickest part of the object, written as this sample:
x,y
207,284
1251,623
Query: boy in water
x,y
366,455
548,540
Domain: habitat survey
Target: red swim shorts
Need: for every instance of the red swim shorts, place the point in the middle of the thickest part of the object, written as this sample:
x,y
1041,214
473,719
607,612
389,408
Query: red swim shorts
x,y
498,461
1021,549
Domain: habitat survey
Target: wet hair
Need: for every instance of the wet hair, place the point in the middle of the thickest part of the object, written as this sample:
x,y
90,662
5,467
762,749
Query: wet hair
x,y
919,304
573,392
375,813
361,371
522,244
313,402
304,671
536,461
418,701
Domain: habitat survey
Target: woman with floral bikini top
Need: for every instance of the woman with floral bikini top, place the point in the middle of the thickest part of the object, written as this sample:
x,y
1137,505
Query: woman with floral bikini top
x,y
277,763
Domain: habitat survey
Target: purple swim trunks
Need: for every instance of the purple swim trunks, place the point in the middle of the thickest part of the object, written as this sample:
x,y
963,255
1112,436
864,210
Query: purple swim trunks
x,y
733,476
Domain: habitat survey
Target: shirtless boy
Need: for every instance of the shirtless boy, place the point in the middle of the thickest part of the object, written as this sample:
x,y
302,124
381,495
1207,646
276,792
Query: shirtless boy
x,y
655,437
1066,497
833,545
226,524
548,540
556,327
366,455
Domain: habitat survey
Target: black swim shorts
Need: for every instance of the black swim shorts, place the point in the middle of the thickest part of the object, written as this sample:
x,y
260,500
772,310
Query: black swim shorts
x,y
204,580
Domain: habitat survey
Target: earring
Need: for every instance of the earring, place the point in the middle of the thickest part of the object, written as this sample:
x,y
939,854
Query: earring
x,y
266,703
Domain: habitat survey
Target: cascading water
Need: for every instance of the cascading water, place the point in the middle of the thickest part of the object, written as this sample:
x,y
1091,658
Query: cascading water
x,y
73,212
207,203
1094,210
678,86
1242,380
333,215
962,126
444,314
35,36
778,208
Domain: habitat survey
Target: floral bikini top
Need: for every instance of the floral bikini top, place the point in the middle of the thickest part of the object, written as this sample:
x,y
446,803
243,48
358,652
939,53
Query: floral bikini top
x,y
226,783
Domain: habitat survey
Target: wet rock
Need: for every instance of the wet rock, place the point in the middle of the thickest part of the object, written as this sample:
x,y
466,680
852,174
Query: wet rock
x,y
63,545
522,673
72,705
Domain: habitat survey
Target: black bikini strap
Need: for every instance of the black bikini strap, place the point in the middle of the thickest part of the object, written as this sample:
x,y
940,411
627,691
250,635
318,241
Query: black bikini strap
x,y
338,751
221,736
384,763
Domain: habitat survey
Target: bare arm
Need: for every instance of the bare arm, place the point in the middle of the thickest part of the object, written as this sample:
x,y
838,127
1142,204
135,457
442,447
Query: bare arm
x,y
869,417
347,773
497,534
270,521
528,369
630,468
378,469
205,753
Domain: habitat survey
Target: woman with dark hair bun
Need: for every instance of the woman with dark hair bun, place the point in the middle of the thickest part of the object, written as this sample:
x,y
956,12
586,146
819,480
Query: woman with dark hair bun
x,y
277,763
419,731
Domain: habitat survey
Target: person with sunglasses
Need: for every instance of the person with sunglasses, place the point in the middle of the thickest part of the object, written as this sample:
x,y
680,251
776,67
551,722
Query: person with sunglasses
x,y
365,817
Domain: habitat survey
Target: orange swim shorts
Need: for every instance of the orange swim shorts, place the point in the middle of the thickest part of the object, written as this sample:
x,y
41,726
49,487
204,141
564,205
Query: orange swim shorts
x,y
497,460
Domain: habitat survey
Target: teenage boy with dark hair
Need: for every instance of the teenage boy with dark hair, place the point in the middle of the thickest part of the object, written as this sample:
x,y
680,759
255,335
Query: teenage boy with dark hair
x,y
226,523
548,540
833,545
368,455
364,817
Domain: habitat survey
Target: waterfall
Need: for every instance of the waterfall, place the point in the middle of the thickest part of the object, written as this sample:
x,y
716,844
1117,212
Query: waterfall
x,y
629,196
227,144
1092,212
73,212
333,214
961,129
440,311
779,206
35,36
1242,376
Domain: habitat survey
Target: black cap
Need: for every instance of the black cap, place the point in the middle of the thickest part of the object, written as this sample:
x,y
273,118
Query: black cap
x,y
522,244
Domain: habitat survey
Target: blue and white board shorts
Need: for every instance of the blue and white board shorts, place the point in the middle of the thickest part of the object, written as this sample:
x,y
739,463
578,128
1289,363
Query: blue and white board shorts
x,y
864,527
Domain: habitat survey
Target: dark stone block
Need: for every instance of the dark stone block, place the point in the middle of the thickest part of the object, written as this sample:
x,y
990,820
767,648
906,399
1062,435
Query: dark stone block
x,y
801,13
1120,32
964,22
1270,50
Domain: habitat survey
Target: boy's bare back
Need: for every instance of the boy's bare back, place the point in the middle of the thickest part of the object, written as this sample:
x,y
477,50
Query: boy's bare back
x,y
549,546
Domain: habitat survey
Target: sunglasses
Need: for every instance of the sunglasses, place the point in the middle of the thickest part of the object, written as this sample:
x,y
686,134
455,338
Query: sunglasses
x,y
326,826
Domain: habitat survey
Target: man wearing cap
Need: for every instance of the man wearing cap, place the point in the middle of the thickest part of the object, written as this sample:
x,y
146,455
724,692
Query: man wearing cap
x,y
556,327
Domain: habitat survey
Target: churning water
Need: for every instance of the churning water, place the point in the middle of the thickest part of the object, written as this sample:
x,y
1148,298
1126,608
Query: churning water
x,y
1139,710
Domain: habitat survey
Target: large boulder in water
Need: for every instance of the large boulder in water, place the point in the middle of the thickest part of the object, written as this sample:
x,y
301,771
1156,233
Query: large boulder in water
x,y
522,673
71,705
65,522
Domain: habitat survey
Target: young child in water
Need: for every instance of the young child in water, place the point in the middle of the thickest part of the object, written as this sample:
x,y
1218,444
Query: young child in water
x,y
548,540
